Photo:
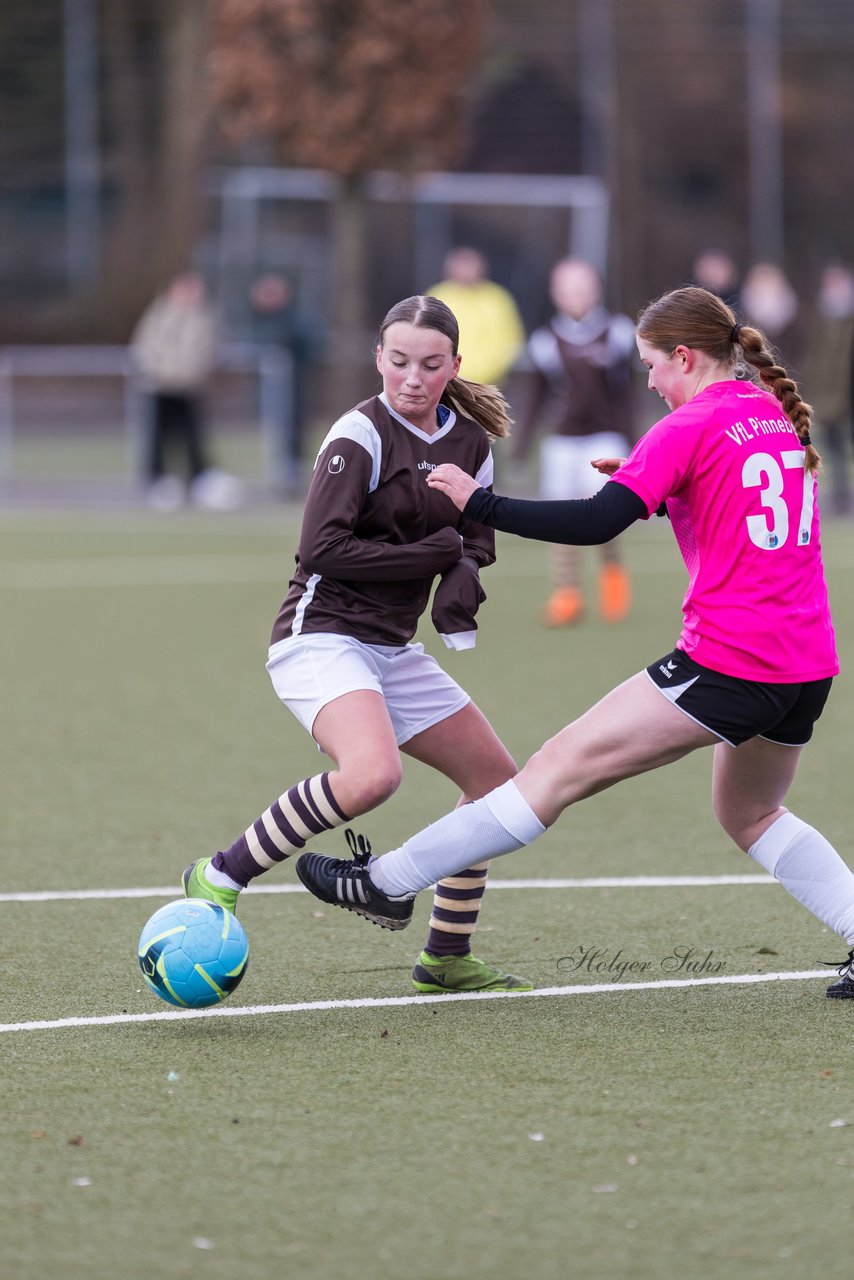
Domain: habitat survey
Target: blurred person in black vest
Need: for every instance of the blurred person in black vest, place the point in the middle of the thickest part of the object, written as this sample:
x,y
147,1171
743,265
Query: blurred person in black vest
x,y
174,349
715,269
829,375
582,397
768,301
276,321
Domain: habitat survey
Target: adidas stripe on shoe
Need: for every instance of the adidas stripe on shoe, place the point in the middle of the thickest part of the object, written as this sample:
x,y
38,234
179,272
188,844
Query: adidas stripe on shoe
x,y
844,988
345,882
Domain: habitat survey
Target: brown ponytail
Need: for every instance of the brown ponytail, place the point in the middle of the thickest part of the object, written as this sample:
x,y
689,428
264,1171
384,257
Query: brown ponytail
x,y
481,401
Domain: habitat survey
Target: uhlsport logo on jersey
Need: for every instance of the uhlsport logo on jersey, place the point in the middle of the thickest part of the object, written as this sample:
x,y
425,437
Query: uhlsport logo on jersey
x,y
335,465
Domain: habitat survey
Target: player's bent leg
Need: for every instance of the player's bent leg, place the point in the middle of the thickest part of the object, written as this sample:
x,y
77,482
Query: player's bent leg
x,y
565,605
749,786
355,731
303,811
630,731
467,750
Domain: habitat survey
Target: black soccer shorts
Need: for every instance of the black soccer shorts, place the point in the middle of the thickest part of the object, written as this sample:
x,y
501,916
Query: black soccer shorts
x,y
735,709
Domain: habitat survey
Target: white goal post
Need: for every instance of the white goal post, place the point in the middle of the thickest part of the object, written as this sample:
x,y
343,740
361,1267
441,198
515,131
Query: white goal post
x,y
433,197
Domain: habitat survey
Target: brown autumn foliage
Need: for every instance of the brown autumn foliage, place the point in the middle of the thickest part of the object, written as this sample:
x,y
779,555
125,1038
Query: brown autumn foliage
x,y
346,85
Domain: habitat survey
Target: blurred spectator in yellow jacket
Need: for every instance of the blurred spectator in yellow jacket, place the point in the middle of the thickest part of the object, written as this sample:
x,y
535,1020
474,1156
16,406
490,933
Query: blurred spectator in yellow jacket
x,y
491,328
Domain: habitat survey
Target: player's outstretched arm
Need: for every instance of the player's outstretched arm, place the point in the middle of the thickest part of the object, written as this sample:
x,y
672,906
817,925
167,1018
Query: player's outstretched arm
x,y
580,522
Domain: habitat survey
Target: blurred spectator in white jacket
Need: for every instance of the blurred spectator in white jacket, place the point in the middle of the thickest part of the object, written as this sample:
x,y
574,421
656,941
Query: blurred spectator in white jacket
x,y
174,349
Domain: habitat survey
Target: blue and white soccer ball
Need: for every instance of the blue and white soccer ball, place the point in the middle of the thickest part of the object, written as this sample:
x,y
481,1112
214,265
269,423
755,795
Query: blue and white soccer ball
x,y
193,953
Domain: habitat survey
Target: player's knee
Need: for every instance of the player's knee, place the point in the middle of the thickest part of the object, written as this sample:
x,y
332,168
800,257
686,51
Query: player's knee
x,y
376,785
567,771
493,774
738,825
549,767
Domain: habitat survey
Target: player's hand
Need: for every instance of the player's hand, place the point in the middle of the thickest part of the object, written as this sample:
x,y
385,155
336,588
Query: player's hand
x,y
457,484
607,466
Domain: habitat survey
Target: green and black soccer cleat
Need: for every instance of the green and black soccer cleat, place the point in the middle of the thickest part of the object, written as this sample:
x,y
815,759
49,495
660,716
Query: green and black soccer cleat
x,y
462,973
196,885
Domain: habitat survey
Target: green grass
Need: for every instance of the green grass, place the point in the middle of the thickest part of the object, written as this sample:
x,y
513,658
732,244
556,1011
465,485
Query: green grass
x,y
634,1133
47,455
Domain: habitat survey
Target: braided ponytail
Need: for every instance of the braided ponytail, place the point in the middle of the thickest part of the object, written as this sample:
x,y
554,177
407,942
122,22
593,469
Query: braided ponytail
x,y
758,354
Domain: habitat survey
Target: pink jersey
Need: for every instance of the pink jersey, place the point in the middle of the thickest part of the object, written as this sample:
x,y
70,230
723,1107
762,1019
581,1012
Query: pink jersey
x,y
731,469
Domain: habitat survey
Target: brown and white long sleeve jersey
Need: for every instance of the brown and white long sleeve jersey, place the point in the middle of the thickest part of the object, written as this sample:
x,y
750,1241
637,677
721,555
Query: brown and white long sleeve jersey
x,y
374,535
580,378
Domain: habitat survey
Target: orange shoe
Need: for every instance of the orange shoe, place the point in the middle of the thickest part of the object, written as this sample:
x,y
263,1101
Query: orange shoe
x,y
615,593
565,606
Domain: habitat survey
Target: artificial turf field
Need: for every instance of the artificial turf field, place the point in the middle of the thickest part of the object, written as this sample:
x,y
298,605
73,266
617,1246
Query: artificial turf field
x,y
608,1126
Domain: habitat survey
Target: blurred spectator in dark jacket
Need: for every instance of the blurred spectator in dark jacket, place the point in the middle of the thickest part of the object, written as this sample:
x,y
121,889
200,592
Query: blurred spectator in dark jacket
x,y
769,301
828,375
715,269
276,322
174,349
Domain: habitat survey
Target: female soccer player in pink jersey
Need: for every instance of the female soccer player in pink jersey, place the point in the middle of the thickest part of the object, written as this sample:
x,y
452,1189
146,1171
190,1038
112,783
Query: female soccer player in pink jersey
x,y
751,672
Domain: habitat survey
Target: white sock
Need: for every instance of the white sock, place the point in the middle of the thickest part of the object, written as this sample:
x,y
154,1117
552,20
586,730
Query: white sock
x,y
497,824
219,877
811,870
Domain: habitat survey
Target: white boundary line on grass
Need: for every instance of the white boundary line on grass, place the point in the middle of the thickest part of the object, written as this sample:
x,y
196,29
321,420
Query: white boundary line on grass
x,y
600,882
397,1002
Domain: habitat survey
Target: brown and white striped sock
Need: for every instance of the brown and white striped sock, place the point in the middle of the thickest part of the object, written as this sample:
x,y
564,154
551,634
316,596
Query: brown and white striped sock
x,y
456,904
565,566
306,810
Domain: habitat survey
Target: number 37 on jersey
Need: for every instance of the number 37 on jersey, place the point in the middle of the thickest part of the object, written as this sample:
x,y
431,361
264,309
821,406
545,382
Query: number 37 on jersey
x,y
785,517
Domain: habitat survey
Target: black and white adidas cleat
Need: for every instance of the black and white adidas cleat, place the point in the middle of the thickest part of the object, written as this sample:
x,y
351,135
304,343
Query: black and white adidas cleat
x,y
344,882
844,988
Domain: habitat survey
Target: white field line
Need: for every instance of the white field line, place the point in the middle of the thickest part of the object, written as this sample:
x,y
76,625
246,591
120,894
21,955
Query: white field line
x,y
398,1002
600,882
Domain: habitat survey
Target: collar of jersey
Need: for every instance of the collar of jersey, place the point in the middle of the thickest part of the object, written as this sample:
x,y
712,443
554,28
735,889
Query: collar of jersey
x,y
588,328
447,418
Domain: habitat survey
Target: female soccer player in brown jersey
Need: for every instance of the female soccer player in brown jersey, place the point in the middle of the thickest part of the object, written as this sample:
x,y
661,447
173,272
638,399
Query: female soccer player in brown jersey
x,y
374,540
